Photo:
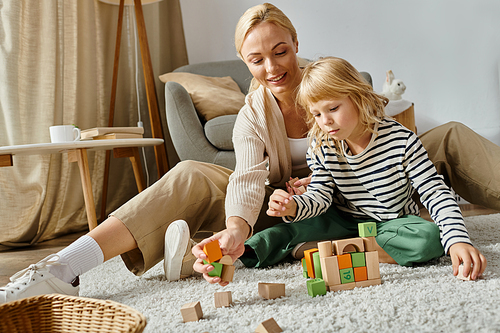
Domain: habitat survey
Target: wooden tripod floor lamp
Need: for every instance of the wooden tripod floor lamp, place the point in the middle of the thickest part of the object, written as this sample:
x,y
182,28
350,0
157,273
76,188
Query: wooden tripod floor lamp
x,y
154,112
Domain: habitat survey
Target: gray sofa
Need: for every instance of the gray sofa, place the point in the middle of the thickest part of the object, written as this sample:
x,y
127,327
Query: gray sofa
x,y
192,137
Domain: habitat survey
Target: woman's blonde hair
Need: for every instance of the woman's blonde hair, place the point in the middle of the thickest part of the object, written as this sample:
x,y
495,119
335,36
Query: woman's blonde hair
x,y
335,78
265,12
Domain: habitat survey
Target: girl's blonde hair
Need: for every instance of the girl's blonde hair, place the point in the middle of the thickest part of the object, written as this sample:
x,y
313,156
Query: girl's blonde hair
x,y
334,78
254,16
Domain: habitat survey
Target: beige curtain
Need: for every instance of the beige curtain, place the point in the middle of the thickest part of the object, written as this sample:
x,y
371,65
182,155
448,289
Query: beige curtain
x,y
56,63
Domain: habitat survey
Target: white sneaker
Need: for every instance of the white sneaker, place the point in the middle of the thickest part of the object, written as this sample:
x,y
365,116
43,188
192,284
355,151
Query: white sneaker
x,y
179,259
37,280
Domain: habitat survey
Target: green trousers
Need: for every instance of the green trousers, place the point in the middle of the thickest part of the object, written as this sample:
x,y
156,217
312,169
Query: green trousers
x,y
408,239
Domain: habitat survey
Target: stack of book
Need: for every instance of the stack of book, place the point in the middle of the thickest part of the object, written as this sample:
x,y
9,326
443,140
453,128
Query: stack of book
x,y
109,133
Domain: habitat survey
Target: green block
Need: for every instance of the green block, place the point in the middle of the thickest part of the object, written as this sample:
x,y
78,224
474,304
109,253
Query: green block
x,y
317,266
217,271
358,259
316,287
346,275
367,229
304,268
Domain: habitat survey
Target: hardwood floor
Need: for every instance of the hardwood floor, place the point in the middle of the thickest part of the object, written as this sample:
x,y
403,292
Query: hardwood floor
x,y
12,261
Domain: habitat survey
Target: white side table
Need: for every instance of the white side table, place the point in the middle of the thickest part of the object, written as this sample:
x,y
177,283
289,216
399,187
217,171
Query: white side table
x,y
77,152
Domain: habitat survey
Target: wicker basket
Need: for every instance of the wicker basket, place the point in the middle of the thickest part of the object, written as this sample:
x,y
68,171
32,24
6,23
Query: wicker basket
x,y
61,313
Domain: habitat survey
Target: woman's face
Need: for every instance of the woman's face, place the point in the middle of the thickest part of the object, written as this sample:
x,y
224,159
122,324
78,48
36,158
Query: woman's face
x,y
271,56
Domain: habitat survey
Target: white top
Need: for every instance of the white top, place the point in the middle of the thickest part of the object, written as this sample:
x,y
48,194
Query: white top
x,y
298,150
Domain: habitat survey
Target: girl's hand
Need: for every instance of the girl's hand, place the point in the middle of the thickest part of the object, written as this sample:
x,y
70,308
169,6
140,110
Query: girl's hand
x,y
281,203
296,189
232,243
468,255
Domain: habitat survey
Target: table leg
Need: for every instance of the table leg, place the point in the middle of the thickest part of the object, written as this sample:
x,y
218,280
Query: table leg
x,y
80,156
133,154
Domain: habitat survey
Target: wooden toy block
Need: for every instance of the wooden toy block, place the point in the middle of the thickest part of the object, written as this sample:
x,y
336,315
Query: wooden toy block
x,y
227,273
345,286
345,261
213,252
316,287
325,249
330,270
347,275
217,271
367,229
191,312
368,283
271,290
317,266
358,259
372,265
360,274
268,326
340,244
226,260
304,268
292,182
222,299
309,262
370,244
460,274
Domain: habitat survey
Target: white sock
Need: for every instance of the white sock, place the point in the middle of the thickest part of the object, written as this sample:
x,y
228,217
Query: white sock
x,y
80,256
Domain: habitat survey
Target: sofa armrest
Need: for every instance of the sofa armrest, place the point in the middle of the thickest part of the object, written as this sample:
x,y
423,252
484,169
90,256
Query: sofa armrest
x,y
186,130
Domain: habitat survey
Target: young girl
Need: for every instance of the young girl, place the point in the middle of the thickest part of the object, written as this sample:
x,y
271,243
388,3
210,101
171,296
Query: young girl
x,y
366,167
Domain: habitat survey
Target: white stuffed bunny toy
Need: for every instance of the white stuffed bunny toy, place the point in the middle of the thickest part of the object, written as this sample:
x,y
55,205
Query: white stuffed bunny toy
x,y
393,88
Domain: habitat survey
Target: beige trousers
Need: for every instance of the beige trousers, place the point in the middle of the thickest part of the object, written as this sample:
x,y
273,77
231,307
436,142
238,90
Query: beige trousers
x,y
195,192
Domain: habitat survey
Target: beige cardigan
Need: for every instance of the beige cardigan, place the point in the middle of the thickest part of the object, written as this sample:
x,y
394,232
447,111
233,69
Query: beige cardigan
x,y
262,155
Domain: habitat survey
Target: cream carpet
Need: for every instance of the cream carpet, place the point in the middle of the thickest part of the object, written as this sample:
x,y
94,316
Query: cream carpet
x,y
426,298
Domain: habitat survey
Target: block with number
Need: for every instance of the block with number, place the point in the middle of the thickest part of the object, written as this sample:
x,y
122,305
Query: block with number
x,y
347,275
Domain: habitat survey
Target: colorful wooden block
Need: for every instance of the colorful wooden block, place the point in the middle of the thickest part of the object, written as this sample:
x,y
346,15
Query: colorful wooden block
x,y
360,274
316,287
309,261
268,326
304,268
227,273
217,271
368,283
345,286
358,259
213,252
345,261
372,265
341,244
222,299
346,275
191,312
325,249
330,270
317,266
370,244
367,229
271,290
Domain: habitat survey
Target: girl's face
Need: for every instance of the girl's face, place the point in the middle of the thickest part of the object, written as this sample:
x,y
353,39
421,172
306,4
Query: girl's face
x,y
270,54
339,118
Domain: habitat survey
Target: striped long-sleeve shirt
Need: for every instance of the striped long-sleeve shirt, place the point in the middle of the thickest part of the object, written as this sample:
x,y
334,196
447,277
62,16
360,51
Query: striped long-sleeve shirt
x,y
379,182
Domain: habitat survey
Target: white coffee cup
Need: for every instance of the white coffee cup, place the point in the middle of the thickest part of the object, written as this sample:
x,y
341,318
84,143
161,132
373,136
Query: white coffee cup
x,y
64,133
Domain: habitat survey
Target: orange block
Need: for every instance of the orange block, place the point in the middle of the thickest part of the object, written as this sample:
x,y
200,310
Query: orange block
x,y
360,274
212,250
308,255
344,261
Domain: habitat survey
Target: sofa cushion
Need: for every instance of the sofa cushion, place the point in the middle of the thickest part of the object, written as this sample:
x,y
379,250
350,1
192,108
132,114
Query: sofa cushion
x,y
219,131
212,96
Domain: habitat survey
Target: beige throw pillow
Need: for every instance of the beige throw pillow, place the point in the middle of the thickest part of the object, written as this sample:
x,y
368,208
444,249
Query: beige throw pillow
x,y
212,96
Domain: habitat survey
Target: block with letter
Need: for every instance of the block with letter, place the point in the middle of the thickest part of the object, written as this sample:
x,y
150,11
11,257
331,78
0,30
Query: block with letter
x,y
367,229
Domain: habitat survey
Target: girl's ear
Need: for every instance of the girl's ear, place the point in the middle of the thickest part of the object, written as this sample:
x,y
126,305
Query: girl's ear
x,y
296,44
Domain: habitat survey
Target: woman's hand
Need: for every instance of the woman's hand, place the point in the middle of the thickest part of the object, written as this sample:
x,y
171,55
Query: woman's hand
x,y
232,243
296,189
468,255
281,203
